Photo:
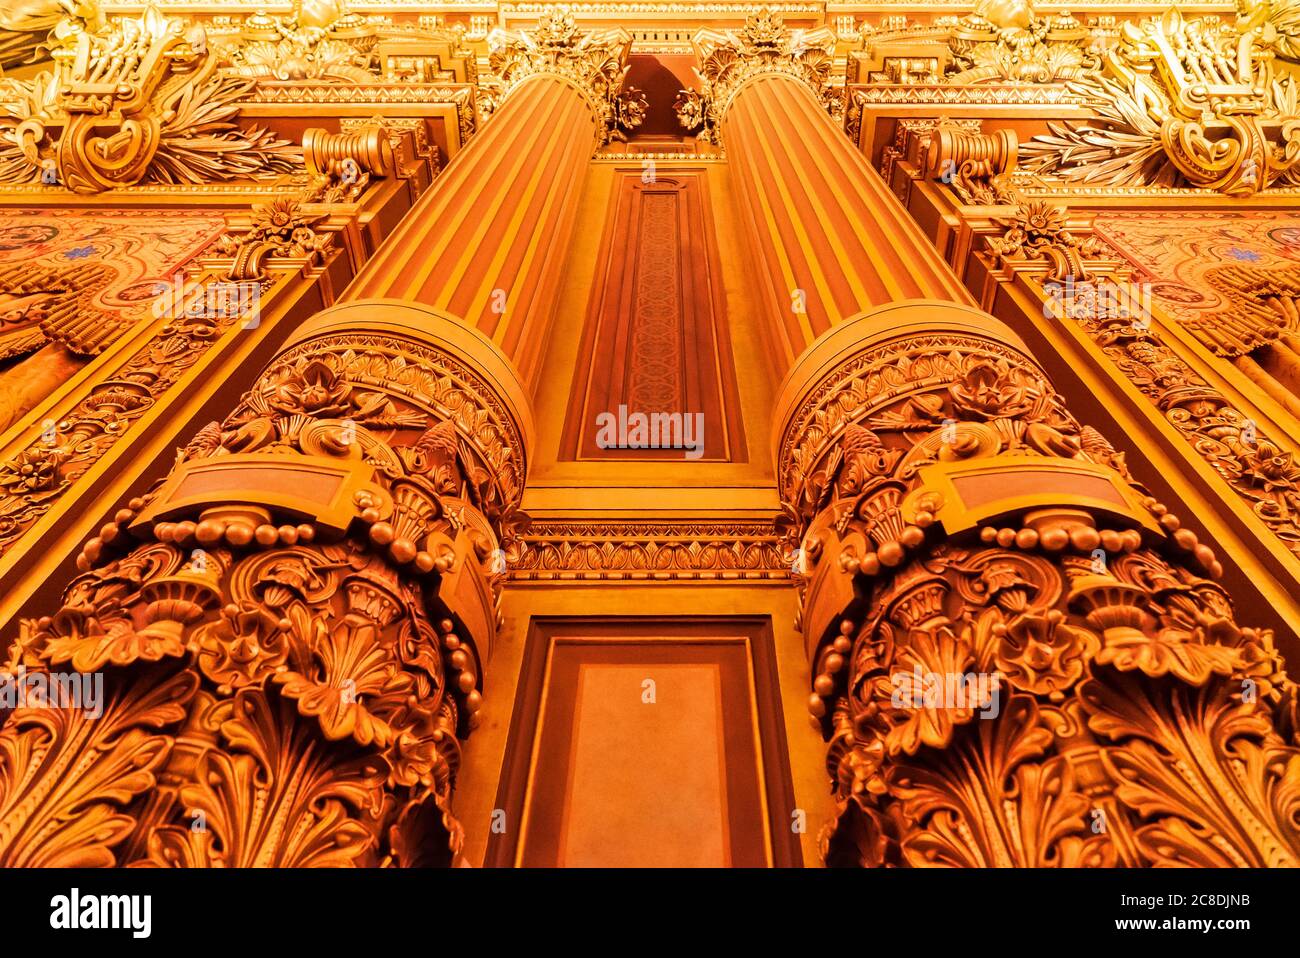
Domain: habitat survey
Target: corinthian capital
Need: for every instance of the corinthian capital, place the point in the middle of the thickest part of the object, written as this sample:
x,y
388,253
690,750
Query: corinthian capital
x,y
728,59
595,62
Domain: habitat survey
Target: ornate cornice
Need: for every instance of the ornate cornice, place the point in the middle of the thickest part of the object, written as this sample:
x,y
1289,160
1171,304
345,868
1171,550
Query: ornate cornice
x,y
1011,94
728,60
1038,231
594,62
1010,42
618,551
1256,467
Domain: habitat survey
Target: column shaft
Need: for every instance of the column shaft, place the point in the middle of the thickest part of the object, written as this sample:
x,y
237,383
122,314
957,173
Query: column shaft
x,y
487,242
822,220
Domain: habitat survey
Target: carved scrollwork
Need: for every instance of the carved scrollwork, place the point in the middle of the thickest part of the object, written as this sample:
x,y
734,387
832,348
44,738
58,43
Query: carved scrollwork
x,y
1255,465
137,101
1044,676
1002,41
727,60
1180,101
1038,232
313,625
595,62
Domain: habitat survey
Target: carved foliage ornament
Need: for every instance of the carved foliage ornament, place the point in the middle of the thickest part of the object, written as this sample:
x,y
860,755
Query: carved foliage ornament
x,y
1058,682
319,40
596,62
650,552
139,101
1005,40
283,670
1254,465
1180,102
727,60
1038,232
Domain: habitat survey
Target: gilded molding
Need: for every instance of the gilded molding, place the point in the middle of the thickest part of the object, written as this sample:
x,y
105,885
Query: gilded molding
x,y
324,40
35,478
614,551
139,101
998,42
1008,94
1180,101
1255,466
318,40
1003,40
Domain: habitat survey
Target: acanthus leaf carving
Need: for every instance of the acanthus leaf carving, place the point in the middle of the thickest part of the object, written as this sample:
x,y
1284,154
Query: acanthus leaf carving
x,y
1037,680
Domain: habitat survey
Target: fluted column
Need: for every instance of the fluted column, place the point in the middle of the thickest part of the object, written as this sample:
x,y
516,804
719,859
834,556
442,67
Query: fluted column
x,y
285,640
829,239
1018,656
486,243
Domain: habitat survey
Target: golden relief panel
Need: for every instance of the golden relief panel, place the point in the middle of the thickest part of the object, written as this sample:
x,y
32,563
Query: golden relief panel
x,y
77,279
1200,266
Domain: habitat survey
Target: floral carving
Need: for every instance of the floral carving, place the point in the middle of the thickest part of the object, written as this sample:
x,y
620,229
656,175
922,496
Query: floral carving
x,y
316,683
1050,684
1038,231
727,60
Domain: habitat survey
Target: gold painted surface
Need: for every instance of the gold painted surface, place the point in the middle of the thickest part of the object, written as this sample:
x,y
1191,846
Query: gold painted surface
x,y
929,499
